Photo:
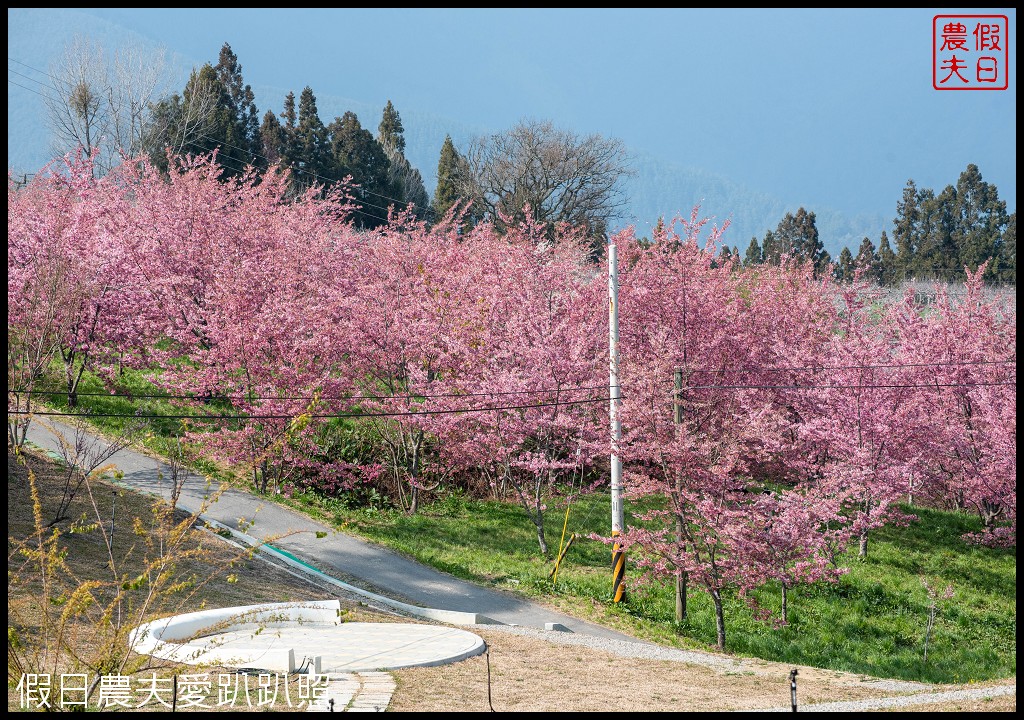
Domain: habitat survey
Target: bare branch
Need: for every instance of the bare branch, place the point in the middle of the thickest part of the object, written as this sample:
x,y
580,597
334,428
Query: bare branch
x,y
563,178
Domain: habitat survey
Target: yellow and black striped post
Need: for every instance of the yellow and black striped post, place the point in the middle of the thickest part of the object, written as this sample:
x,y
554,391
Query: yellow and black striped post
x,y
618,569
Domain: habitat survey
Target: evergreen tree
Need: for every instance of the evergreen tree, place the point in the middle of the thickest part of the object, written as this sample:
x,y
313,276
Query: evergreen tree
x,y
407,185
753,255
193,123
886,262
290,147
405,181
273,139
288,115
824,264
979,218
311,163
451,171
1007,271
772,250
356,152
938,235
658,235
242,144
797,236
844,269
907,231
390,133
938,256
867,259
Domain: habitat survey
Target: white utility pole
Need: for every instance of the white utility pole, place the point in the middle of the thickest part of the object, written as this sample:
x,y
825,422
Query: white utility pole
x,y
614,394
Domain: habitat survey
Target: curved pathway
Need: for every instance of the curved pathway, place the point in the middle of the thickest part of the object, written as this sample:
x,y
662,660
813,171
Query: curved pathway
x,y
372,566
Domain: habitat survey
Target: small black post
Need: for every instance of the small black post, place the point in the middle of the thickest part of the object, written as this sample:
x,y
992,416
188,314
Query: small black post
x,y
113,510
792,688
174,696
330,703
487,653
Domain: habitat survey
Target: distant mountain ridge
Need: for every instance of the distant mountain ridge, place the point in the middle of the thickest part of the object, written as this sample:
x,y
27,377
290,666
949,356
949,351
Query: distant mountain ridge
x,y
660,188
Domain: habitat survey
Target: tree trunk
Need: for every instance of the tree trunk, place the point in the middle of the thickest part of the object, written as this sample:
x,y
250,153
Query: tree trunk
x,y
680,596
785,603
680,520
862,553
263,477
716,597
988,512
538,520
538,515
414,473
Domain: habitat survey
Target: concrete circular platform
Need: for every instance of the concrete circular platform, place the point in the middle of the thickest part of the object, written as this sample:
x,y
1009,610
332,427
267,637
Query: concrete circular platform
x,y
308,636
352,646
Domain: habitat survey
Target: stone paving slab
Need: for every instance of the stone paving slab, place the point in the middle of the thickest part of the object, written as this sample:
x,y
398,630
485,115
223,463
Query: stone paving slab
x,y
354,646
356,692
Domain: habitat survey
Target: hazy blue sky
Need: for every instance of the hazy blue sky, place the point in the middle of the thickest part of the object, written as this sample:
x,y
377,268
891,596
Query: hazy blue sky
x,y
829,107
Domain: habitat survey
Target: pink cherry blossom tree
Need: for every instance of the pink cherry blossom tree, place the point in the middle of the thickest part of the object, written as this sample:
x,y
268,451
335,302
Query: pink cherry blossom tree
x,y
859,416
65,273
965,350
684,311
239,280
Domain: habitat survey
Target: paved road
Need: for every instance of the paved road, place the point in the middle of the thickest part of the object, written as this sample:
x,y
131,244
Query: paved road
x,y
358,562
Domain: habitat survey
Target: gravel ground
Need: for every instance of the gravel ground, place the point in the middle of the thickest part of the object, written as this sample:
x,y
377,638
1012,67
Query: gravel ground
x,y
648,651
905,700
912,693
642,650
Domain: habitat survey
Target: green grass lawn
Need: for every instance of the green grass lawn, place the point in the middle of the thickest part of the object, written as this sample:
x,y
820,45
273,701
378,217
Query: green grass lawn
x,y
872,621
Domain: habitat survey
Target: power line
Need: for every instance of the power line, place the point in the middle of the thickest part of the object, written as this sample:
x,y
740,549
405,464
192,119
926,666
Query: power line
x,y
414,413
815,368
202,398
47,97
326,180
991,292
358,209
41,72
450,411
243,398
221,160
32,79
867,386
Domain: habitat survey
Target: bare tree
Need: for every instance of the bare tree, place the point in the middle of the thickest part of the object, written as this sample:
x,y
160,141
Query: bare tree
x,y
561,176
86,457
180,123
77,108
101,102
139,79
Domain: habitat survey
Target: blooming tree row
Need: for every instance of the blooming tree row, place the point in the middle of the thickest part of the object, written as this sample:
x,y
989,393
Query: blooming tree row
x,y
776,417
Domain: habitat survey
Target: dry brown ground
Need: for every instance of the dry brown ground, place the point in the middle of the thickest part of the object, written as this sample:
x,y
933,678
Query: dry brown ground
x,y
526,673
530,675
